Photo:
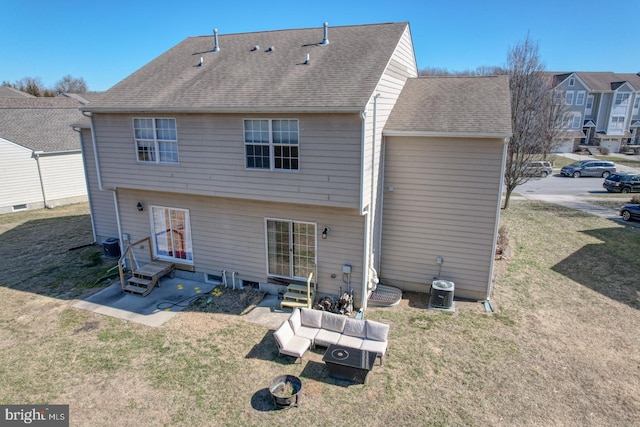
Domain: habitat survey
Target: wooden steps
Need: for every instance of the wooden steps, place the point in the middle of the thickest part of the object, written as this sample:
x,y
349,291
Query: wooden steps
x,y
145,278
298,296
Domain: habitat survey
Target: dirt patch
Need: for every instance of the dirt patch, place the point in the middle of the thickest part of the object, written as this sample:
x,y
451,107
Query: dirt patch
x,y
228,301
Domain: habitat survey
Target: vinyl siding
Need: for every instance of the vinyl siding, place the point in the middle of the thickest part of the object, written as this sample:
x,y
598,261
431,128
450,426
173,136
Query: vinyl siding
x,y
401,66
229,234
212,160
101,202
63,177
19,178
444,203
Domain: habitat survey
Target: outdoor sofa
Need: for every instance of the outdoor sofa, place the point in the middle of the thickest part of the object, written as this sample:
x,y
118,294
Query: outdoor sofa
x,y
307,328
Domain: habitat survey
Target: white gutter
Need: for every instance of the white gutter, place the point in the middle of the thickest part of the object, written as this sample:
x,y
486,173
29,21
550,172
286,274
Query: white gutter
x,y
240,109
36,156
86,182
497,224
365,263
442,134
95,150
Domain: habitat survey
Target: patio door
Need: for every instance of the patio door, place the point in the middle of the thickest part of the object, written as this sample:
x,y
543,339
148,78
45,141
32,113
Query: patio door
x,y
291,248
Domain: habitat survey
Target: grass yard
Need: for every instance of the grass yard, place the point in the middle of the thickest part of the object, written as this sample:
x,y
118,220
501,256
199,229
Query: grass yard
x,y
560,349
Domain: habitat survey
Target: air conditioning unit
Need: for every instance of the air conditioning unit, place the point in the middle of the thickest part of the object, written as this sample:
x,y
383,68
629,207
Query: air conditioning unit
x,y
442,295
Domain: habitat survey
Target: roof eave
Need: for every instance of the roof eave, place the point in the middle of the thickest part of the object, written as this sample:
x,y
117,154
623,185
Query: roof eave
x,y
443,134
226,110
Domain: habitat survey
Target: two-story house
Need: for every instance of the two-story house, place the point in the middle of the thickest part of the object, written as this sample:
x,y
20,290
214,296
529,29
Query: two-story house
x,y
602,108
276,154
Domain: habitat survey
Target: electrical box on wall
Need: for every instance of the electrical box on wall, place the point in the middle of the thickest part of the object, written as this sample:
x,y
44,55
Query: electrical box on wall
x,y
346,269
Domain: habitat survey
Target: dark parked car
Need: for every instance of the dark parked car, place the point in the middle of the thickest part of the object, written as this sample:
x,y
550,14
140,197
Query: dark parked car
x,y
630,211
622,183
589,168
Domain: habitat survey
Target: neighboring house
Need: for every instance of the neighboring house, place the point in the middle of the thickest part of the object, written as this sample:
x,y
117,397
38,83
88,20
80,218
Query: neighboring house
x,y
271,154
603,108
40,157
9,92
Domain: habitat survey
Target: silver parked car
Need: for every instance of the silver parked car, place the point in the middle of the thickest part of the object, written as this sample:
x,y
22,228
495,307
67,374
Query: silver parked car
x,y
589,168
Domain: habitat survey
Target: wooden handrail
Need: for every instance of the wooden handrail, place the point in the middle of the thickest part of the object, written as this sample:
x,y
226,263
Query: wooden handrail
x,y
128,253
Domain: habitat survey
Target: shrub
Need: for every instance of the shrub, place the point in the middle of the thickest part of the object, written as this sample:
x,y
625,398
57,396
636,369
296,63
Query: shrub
x,y
635,199
605,151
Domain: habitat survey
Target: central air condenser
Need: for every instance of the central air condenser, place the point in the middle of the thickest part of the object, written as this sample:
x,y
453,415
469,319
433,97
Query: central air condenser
x,y
441,294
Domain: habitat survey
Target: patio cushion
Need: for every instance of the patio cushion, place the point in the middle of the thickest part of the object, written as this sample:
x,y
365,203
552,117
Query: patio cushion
x,y
355,328
349,341
377,331
295,320
311,318
325,338
333,322
379,347
296,347
283,335
307,332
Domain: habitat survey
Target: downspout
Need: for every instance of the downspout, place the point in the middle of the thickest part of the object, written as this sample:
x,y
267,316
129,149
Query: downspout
x,y
497,224
86,180
95,149
36,155
365,249
117,208
373,207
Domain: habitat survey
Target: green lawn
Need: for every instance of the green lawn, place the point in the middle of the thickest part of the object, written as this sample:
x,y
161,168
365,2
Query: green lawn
x,y
561,347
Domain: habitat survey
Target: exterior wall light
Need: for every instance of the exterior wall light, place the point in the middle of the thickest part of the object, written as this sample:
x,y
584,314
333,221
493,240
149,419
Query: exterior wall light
x,y
325,232
140,207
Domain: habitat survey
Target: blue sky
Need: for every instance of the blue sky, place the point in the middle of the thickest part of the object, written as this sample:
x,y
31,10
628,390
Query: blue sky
x,y
105,41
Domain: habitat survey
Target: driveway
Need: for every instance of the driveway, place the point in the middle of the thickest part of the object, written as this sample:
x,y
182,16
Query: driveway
x,y
577,193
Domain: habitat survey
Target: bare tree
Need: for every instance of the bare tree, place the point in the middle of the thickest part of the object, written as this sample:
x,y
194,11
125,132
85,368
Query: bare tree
x,y
483,70
535,114
70,84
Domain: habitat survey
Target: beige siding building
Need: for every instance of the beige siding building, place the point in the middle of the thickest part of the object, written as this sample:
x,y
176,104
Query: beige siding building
x,y
263,154
40,159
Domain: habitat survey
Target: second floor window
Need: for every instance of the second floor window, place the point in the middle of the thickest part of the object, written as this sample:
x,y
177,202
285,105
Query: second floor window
x,y
580,97
617,122
156,140
568,97
622,99
271,144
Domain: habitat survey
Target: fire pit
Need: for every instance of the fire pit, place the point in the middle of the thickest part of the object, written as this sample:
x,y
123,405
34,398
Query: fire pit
x,y
286,391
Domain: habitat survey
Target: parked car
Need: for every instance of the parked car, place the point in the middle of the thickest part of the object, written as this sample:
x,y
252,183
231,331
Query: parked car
x,y
589,168
622,183
537,168
630,211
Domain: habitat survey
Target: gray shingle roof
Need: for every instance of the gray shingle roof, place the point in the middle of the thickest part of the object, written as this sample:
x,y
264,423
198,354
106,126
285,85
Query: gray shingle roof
x,y
9,92
40,124
453,105
340,76
600,81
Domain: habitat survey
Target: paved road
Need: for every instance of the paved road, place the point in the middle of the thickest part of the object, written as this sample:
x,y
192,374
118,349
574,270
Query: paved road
x,y
575,193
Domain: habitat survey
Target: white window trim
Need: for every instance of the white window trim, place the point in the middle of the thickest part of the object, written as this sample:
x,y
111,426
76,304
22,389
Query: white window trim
x,y
576,124
188,236
614,123
568,97
584,97
572,82
636,104
291,261
624,99
272,161
155,141
589,110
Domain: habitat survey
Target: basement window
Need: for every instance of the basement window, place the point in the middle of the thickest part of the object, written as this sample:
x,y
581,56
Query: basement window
x,y
17,208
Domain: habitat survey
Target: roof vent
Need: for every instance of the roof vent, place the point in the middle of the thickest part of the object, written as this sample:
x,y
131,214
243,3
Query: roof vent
x,y
325,40
201,62
271,49
216,48
307,61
